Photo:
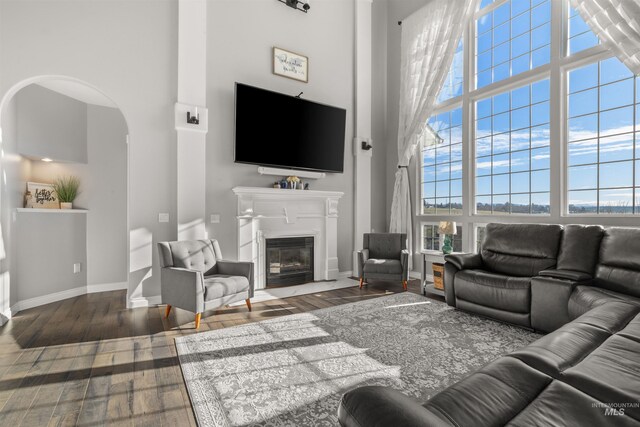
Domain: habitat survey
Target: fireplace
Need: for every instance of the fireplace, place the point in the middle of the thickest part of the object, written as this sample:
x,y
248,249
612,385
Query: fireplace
x,y
289,261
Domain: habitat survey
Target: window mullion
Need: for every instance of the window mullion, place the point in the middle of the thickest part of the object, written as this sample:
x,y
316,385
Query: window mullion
x,y
556,197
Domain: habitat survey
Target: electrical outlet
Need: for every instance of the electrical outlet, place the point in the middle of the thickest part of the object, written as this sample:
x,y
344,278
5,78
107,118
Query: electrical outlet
x,y
77,268
163,217
215,219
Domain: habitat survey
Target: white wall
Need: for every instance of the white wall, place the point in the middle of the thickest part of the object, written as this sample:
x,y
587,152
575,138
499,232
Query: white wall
x,y
379,211
128,49
240,36
51,125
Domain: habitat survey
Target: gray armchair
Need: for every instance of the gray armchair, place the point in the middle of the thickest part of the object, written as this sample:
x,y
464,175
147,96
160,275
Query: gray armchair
x,y
194,277
384,257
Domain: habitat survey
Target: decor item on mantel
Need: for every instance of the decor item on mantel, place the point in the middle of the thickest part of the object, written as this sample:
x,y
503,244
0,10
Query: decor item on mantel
x,y
297,5
292,182
43,196
448,229
67,189
291,65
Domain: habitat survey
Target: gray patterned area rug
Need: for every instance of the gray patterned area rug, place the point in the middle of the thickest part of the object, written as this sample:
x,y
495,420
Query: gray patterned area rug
x,y
292,370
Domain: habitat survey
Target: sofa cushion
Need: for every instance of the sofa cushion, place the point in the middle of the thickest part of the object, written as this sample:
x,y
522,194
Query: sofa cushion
x,y
567,346
382,266
610,373
579,248
494,290
520,249
584,298
220,285
490,396
619,265
562,405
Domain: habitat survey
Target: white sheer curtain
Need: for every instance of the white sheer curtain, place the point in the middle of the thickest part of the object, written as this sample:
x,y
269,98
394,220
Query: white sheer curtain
x,y
429,40
617,23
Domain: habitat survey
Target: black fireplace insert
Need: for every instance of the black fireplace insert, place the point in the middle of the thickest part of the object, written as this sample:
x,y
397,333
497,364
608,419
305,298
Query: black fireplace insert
x,y
289,261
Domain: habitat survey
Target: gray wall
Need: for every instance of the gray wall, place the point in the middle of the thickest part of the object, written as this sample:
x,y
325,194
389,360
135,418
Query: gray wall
x,y
46,247
240,36
50,125
128,49
17,170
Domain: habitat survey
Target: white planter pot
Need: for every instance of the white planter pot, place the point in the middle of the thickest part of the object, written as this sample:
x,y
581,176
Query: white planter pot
x,y
66,205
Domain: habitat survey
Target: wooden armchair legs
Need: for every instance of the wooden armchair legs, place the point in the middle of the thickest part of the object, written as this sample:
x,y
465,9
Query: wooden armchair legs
x,y
361,282
404,285
199,315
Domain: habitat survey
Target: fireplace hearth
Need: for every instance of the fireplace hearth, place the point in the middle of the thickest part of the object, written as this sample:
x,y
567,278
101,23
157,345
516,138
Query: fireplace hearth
x,y
289,261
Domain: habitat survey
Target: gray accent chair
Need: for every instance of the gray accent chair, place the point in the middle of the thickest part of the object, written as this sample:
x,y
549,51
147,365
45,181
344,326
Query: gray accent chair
x,y
384,257
194,277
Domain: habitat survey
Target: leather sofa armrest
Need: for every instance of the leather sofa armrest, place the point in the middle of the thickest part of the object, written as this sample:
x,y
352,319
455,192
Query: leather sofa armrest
x,y
464,261
375,406
182,288
404,261
363,256
550,302
237,268
575,276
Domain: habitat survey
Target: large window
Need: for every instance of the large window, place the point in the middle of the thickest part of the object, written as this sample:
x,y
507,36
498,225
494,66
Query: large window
x,y
442,165
512,151
580,35
512,38
549,122
432,240
452,86
603,153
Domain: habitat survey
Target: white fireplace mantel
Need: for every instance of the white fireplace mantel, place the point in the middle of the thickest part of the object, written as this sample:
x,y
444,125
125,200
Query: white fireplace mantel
x,y
265,213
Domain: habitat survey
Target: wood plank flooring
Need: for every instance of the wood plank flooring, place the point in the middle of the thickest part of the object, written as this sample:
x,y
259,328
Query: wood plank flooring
x,y
89,361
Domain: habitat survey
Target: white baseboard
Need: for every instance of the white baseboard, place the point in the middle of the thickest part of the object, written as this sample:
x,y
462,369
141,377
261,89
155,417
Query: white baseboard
x,y
139,302
58,296
107,287
47,299
345,274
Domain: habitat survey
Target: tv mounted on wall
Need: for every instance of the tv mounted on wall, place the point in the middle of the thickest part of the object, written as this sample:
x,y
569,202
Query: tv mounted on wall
x,y
278,130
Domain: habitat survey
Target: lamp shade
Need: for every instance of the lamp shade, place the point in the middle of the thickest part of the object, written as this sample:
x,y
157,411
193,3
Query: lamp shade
x,y
447,227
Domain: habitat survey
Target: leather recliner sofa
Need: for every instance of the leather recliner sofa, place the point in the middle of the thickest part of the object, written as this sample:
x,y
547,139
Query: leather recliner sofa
x,y
585,372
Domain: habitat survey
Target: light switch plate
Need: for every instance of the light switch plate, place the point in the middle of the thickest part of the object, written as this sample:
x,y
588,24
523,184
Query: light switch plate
x,y
77,268
215,219
163,217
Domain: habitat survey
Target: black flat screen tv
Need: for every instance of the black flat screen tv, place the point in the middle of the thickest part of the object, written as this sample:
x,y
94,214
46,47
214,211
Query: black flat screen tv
x,y
278,130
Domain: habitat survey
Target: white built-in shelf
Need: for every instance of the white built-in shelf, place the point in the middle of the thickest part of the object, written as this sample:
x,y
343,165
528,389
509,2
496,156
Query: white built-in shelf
x,y
52,211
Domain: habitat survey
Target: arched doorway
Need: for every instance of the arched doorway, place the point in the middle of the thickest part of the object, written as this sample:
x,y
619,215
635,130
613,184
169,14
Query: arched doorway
x,y
54,127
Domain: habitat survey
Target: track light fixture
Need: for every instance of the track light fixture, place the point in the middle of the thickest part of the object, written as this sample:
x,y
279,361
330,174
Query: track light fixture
x,y
297,4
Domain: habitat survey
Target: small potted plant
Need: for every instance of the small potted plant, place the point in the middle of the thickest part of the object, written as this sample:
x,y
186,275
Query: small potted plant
x,y
67,190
